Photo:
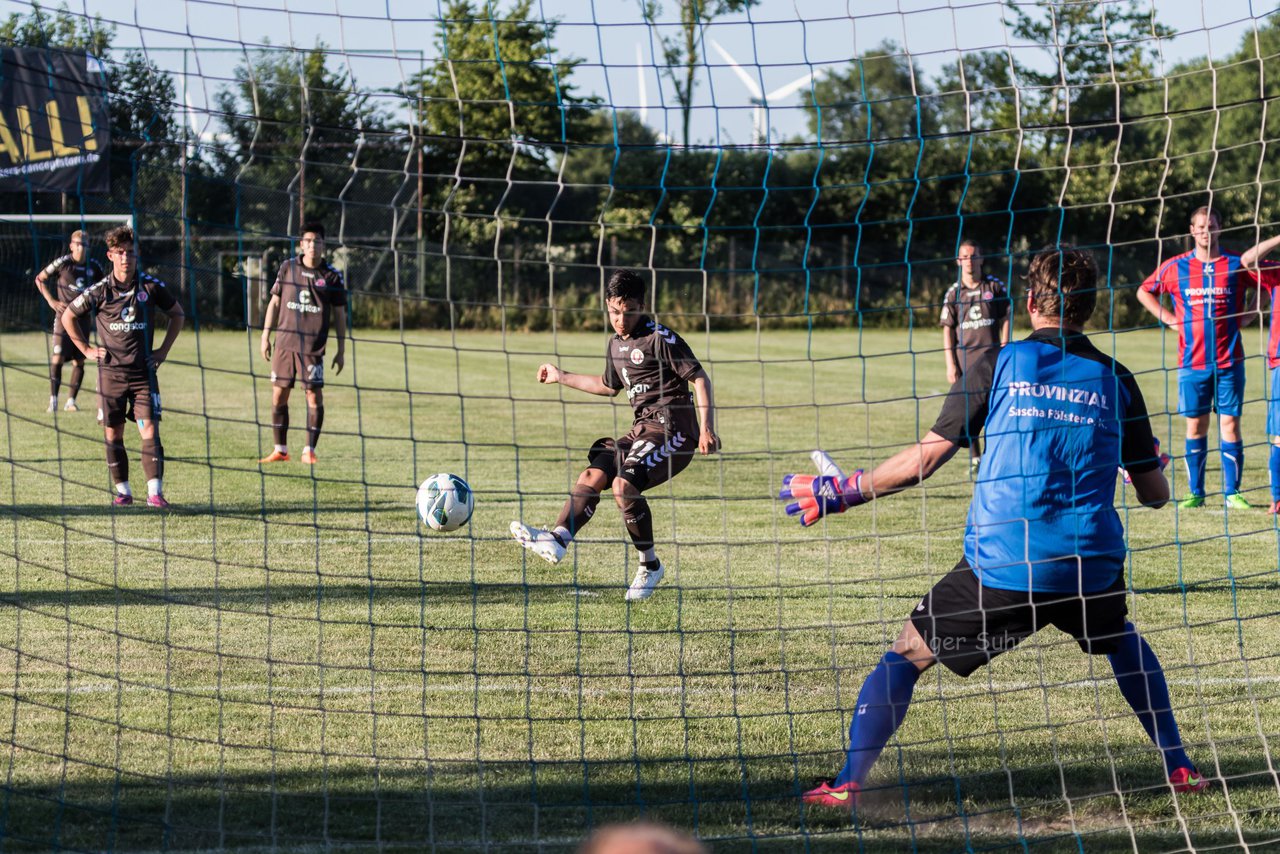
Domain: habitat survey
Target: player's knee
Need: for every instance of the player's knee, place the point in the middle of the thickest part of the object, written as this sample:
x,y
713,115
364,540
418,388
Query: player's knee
x,y
591,481
625,492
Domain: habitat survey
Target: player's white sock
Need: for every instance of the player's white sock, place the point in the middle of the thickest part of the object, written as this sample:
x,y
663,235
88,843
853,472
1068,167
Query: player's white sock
x,y
563,533
284,449
124,488
154,486
649,556
53,401
308,448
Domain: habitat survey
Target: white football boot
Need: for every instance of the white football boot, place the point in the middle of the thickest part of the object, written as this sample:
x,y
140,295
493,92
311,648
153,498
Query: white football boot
x,y
541,542
643,584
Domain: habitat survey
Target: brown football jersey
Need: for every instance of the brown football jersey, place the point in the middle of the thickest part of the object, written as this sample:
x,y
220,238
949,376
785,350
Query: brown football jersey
x,y
308,296
977,315
655,366
125,316
71,278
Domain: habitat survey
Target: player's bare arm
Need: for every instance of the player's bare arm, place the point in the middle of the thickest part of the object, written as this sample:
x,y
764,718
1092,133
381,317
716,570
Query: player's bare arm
x,y
1151,488
704,399
268,324
1151,302
177,319
590,383
42,286
949,353
340,332
1250,257
72,330
909,467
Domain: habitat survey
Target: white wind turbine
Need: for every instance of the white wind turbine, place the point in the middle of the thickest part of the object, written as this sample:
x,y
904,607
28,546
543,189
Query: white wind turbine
x,y
202,137
760,115
643,87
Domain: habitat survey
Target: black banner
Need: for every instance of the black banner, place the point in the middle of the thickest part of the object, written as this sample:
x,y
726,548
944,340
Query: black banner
x,y
54,130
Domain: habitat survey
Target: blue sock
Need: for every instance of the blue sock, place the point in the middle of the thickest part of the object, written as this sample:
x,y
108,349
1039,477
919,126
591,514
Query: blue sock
x,y
1141,681
1275,472
1232,464
1197,455
882,704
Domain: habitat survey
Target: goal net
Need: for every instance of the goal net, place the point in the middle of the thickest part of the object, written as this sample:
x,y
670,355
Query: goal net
x,y
288,659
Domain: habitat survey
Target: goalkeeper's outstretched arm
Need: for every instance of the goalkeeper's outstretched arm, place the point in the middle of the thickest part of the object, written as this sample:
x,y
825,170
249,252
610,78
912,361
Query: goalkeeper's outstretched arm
x,y
910,466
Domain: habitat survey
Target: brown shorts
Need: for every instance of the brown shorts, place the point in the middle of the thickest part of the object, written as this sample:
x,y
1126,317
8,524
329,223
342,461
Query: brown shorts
x,y
133,395
288,367
652,453
63,346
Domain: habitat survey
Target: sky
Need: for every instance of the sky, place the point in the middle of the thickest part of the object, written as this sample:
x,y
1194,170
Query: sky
x,y
777,43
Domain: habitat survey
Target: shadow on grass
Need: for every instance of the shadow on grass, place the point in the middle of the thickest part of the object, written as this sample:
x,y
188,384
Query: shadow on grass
x,y
750,804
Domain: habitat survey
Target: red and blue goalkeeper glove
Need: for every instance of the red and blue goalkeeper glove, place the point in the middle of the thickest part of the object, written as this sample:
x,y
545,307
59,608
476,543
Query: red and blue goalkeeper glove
x,y
1163,459
821,495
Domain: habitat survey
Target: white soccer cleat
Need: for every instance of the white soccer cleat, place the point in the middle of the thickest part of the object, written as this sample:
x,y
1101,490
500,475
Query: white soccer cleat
x,y
53,405
643,584
541,542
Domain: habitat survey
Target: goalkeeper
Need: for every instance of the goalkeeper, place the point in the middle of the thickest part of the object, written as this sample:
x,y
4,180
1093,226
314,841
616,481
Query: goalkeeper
x,y
1043,545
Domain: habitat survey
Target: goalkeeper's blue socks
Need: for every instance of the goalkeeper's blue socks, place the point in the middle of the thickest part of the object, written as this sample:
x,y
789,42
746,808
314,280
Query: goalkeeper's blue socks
x,y
1141,681
1232,462
882,704
1197,456
1275,472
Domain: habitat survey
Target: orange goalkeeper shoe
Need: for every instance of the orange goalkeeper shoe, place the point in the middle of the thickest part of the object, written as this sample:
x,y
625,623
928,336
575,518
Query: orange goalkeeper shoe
x,y
276,457
309,456
827,794
1187,780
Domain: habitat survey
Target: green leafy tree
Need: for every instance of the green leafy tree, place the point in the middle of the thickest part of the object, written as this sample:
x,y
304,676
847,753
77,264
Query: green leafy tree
x,y
298,129
682,49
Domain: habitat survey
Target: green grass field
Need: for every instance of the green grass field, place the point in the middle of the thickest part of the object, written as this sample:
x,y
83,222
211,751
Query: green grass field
x,y
289,661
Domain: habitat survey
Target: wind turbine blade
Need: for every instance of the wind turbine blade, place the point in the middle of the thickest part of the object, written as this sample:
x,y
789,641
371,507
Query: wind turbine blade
x,y
747,80
793,86
644,89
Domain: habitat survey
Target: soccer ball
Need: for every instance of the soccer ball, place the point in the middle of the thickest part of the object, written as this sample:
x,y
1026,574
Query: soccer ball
x,y
445,502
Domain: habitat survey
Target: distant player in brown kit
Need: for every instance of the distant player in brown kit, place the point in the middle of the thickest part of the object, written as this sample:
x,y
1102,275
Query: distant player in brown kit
x,y
655,367
124,305
70,275
307,293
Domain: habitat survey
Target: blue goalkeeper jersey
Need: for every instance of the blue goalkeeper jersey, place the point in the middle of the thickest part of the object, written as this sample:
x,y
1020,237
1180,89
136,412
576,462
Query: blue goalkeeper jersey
x,y
1059,417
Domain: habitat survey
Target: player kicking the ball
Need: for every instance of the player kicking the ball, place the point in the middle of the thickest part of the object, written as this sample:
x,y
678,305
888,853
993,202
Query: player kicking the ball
x,y
656,367
1058,415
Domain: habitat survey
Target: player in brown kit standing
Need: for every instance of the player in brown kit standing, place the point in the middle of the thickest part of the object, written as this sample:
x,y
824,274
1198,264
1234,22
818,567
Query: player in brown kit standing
x,y
71,274
124,305
308,292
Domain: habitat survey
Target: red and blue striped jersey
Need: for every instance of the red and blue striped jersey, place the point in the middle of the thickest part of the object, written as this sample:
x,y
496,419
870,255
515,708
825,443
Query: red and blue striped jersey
x,y
1208,299
1271,283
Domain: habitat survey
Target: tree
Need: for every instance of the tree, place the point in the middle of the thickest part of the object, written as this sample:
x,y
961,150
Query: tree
x,y
682,51
299,128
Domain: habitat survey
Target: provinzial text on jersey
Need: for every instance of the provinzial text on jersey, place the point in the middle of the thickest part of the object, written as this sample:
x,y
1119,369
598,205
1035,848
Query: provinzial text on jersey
x,y
1057,392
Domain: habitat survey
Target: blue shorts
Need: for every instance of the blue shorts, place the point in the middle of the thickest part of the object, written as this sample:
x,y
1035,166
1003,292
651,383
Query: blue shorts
x,y
1218,390
1273,405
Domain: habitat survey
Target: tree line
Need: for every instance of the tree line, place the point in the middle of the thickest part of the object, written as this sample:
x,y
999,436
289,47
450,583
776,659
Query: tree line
x,y
498,189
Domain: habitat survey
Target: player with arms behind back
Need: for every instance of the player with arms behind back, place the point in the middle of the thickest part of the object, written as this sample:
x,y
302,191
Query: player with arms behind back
x,y
655,367
124,305
71,274
308,292
1058,416
1207,287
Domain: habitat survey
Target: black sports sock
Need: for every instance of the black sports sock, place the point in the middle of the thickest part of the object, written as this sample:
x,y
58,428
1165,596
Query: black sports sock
x,y
639,523
280,424
315,420
577,511
77,377
153,458
117,461
55,378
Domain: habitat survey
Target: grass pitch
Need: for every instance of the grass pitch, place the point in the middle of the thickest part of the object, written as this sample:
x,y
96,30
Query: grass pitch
x,y
289,661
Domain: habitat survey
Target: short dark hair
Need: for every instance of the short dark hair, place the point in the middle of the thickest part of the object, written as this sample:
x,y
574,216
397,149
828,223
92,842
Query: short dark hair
x,y
626,284
1208,212
313,227
1064,284
118,235
971,243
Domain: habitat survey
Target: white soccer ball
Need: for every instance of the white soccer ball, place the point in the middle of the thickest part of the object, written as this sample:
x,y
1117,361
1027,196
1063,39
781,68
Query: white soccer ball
x,y
445,502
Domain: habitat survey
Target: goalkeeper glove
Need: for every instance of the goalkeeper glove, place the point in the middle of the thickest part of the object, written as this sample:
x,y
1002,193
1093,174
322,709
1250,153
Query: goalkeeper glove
x,y
821,495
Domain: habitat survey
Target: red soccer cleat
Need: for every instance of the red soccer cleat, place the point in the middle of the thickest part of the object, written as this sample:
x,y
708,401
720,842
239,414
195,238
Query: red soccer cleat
x,y
122,500
158,501
1275,508
1187,780
275,457
827,794
309,457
